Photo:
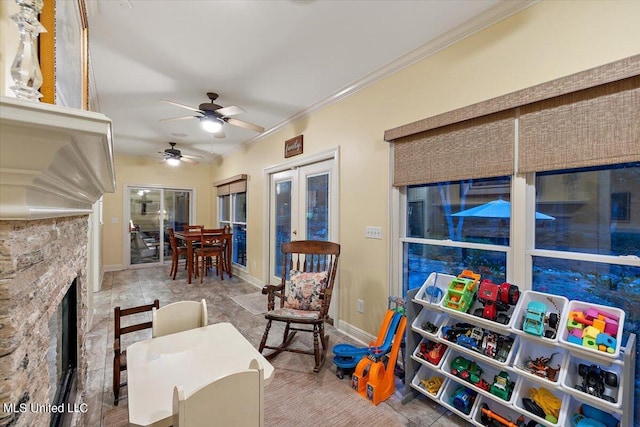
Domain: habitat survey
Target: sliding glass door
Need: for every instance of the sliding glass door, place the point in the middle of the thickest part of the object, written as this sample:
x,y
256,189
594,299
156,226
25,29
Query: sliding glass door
x,y
152,211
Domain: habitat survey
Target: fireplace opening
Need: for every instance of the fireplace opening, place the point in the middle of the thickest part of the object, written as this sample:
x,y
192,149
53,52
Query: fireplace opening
x,y
62,355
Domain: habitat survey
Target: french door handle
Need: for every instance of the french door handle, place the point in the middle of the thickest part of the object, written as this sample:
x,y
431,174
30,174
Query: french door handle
x,y
295,232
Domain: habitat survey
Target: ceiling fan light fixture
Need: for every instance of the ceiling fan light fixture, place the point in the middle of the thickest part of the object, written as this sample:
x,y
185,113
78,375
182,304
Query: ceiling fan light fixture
x,y
173,161
211,124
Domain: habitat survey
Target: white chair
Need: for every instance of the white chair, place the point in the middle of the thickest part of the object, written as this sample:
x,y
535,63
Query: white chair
x,y
177,317
234,400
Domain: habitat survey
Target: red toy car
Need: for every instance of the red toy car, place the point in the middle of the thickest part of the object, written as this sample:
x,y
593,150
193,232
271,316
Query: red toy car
x,y
496,298
432,351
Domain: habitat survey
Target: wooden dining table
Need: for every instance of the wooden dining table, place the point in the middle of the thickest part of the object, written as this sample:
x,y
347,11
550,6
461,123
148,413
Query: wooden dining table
x,y
191,236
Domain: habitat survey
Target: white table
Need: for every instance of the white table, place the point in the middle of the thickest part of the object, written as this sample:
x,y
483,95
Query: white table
x,y
193,358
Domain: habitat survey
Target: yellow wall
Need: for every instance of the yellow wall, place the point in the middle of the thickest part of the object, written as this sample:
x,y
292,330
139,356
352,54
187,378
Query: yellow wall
x,y
131,170
548,40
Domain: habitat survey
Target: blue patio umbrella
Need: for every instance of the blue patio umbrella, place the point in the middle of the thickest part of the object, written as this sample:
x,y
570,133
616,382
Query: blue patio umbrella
x,y
495,209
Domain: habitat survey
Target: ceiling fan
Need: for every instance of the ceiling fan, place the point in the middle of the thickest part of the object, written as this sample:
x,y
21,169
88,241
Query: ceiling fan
x,y
213,116
173,156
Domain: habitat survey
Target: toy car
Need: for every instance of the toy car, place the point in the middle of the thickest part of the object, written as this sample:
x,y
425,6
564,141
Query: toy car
x,y
535,319
501,386
594,380
468,371
431,351
496,298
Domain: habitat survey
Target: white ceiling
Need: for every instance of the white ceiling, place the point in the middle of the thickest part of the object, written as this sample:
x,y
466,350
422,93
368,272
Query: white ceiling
x,y
278,60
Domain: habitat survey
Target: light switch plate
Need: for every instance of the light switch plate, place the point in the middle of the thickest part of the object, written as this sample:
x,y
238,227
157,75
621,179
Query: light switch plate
x,y
371,232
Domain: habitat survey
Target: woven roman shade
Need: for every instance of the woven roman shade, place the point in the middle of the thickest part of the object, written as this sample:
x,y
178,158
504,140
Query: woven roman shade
x,y
235,184
591,127
482,147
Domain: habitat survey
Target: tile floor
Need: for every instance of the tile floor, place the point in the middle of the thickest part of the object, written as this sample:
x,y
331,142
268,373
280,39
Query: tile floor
x,y
141,286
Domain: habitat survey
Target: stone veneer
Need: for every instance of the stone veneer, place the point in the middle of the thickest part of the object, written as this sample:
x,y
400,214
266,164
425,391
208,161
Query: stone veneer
x,y
39,259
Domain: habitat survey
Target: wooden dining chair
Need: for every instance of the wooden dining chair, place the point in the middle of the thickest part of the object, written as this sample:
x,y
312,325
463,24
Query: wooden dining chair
x,y
212,249
178,316
176,252
308,275
119,354
193,227
236,399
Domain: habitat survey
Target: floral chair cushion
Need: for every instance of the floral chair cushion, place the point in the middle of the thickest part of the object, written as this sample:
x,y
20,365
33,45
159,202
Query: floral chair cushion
x,y
303,290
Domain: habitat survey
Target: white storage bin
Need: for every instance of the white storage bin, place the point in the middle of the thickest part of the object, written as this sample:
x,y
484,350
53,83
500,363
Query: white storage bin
x,y
506,412
421,323
416,355
555,307
531,350
572,378
575,407
425,374
523,390
484,351
488,374
448,393
433,289
612,313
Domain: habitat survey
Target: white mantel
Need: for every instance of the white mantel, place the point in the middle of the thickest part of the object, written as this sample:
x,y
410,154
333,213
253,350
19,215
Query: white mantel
x,y
54,161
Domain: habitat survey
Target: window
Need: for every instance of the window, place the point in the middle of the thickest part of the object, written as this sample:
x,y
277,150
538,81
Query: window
x,y
232,212
452,226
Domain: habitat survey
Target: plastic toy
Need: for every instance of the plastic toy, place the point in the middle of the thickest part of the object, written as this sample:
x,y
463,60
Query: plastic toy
x,y
540,367
431,351
543,404
535,319
434,293
347,356
483,341
496,298
501,386
462,399
593,329
491,419
429,327
462,291
589,416
432,385
468,371
594,380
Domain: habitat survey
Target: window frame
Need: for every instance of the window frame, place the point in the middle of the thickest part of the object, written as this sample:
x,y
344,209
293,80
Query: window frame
x,y
231,215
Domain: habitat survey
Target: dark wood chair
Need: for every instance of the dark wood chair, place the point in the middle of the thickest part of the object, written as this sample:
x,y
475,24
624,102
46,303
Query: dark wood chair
x,y
212,248
308,275
119,354
176,252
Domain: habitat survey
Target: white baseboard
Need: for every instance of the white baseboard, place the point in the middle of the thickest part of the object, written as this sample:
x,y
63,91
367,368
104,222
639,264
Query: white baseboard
x,y
248,278
355,333
113,267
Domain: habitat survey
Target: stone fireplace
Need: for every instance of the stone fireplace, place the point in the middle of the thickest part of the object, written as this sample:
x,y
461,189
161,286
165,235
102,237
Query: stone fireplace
x,y
40,260
55,164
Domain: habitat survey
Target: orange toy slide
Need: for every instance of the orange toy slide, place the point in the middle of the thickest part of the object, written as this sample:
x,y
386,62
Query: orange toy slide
x,y
378,375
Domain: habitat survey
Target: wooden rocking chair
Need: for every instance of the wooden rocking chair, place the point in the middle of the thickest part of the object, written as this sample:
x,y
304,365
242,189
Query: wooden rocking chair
x,y
308,275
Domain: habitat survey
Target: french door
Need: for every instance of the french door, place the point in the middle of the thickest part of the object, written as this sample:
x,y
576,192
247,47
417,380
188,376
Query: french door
x,y
150,212
302,207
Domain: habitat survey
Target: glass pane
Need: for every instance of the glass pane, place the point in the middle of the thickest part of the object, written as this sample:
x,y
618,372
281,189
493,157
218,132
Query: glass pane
x,y
176,214
598,283
239,244
145,220
317,209
225,205
240,208
464,211
595,211
420,260
282,222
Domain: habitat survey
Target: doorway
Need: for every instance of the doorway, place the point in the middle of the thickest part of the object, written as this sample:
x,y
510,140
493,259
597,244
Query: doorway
x,y
151,212
303,205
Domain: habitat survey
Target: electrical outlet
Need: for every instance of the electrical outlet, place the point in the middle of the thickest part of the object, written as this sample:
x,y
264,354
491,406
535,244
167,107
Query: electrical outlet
x,y
371,232
360,306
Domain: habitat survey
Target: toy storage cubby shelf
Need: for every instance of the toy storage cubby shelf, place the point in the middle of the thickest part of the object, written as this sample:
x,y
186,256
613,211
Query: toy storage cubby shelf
x,y
426,310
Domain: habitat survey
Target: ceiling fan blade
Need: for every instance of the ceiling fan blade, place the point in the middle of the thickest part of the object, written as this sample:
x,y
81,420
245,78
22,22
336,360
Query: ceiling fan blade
x,y
191,156
178,118
244,124
188,160
177,104
230,111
